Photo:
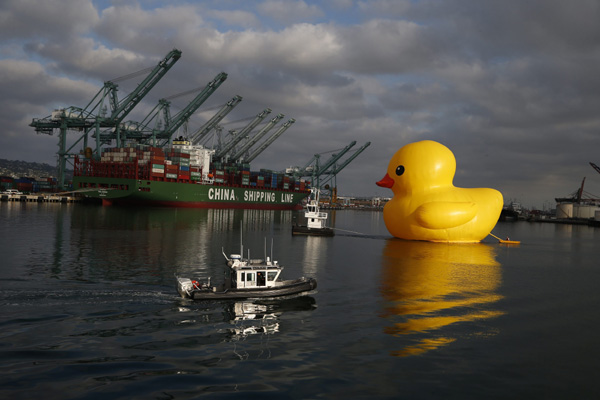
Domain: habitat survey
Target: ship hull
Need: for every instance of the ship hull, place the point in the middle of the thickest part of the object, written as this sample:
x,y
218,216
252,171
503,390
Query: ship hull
x,y
300,286
123,191
305,230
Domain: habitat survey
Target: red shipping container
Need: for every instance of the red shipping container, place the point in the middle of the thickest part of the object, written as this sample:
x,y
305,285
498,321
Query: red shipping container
x,y
24,187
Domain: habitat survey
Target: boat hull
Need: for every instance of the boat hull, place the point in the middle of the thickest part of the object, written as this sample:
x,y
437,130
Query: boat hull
x,y
299,230
178,194
296,287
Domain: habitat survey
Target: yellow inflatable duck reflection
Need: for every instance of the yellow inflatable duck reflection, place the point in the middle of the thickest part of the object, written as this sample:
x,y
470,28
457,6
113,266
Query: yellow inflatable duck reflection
x,y
430,286
427,206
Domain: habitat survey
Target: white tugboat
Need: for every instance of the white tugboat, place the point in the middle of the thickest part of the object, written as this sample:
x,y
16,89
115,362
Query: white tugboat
x,y
246,278
315,219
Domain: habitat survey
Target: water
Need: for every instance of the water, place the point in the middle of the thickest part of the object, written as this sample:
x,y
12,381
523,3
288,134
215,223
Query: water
x,y
90,311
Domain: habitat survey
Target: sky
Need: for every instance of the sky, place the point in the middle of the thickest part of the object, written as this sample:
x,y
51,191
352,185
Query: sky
x,y
512,87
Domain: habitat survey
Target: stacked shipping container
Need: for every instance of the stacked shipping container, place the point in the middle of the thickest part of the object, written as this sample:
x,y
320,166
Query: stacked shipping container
x,y
29,185
181,163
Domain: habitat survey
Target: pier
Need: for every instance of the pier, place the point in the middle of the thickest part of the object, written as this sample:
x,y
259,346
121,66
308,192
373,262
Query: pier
x,y
39,198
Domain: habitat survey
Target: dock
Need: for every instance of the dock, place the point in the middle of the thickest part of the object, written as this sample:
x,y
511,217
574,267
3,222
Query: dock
x,y
39,198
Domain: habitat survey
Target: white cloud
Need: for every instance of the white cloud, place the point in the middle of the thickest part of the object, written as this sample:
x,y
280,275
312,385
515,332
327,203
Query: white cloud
x,y
237,18
46,20
288,12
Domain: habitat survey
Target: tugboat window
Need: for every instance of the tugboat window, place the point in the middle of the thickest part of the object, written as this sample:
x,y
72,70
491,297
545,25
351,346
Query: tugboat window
x,y
271,276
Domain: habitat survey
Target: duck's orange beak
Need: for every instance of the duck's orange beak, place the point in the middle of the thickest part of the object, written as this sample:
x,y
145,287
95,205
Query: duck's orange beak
x,y
387,182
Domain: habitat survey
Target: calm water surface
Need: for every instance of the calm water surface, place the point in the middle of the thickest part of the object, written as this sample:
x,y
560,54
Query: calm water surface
x,y
89,309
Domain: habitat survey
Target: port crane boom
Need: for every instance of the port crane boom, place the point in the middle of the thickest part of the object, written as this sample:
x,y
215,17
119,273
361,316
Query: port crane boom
x,y
322,169
338,168
270,140
93,116
268,126
124,107
165,125
241,134
175,123
197,136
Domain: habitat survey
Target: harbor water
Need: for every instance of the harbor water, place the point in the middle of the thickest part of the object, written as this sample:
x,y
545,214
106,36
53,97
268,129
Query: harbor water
x,y
89,310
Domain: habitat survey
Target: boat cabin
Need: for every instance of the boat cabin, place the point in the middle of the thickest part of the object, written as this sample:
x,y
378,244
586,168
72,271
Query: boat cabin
x,y
252,274
314,218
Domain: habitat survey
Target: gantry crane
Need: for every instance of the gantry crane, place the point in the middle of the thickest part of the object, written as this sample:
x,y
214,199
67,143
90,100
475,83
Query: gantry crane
x,y
201,133
270,140
165,125
238,136
321,174
316,170
336,169
238,156
94,115
577,196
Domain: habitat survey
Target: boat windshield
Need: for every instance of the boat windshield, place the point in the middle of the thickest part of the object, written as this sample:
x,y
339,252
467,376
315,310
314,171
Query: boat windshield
x,y
256,278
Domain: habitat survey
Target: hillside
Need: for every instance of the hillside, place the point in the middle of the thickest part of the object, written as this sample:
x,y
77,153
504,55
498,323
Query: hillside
x,y
19,169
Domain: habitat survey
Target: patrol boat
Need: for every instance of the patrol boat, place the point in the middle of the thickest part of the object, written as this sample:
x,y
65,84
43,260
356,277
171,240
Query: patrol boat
x,y
246,278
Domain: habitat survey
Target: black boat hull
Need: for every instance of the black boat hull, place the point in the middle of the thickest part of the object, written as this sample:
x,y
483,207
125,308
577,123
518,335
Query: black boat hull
x,y
295,287
304,230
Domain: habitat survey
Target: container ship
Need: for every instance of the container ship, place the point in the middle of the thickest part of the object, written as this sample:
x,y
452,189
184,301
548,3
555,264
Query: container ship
x,y
183,175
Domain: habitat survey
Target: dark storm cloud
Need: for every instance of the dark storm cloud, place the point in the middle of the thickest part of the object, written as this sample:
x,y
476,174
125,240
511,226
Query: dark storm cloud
x,y
511,87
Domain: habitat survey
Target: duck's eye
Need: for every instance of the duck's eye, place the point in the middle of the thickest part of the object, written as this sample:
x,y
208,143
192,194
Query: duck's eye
x,y
400,170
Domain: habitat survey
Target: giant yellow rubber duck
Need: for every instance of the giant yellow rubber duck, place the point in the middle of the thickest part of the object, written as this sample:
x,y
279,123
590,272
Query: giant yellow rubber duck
x,y
427,206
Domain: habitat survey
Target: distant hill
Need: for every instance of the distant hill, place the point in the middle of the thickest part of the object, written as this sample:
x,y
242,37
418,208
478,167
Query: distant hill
x,y
19,169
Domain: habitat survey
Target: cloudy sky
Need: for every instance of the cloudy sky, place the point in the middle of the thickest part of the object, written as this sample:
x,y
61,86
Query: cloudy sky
x,y
512,87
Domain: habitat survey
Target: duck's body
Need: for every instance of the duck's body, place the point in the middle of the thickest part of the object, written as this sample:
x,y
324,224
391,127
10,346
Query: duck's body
x,y
427,206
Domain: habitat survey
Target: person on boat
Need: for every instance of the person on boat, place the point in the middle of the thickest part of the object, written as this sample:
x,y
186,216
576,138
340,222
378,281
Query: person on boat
x,y
261,279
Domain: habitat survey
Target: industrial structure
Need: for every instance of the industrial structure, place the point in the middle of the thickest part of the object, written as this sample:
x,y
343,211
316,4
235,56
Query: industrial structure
x,y
578,205
323,174
94,117
102,127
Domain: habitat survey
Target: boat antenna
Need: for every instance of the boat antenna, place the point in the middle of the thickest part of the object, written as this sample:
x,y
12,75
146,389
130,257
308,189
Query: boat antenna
x,y
271,248
241,240
265,248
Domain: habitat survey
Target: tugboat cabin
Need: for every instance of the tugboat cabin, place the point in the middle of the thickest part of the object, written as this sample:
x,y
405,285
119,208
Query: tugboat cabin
x,y
315,219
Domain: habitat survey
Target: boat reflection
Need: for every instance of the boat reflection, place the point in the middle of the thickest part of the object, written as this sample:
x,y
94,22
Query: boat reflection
x,y
254,317
314,249
431,286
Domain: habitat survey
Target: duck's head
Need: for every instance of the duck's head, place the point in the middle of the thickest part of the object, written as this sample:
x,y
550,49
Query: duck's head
x,y
420,166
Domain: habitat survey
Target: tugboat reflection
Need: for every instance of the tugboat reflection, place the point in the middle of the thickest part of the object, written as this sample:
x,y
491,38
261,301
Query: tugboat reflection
x,y
431,286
